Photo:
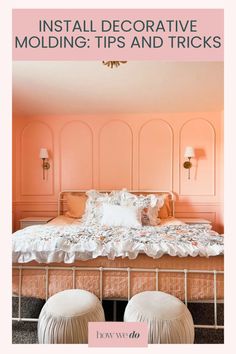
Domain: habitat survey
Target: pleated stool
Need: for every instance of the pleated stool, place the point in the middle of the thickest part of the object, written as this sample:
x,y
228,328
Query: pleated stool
x,y
64,317
169,320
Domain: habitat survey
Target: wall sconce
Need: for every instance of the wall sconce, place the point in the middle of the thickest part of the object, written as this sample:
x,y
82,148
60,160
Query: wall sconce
x,y
189,153
43,154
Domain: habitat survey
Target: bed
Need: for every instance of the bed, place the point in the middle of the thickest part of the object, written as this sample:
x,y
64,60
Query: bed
x,y
118,262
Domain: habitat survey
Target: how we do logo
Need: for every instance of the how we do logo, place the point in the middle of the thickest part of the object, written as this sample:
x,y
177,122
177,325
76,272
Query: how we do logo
x,y
117,334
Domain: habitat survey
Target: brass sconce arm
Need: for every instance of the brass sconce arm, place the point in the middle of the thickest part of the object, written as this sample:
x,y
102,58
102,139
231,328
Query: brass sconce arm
x,y
46,166
189,153
188,165
43,154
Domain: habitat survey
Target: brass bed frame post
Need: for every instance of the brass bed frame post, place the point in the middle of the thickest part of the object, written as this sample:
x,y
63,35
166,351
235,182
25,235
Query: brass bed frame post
x,y
19,296
100,283
186,286
73,277
59,201
129,285
157,279
172,203
46,282
215,300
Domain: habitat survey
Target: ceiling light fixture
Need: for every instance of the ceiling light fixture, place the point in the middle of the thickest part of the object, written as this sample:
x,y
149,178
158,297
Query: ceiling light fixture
x,y
112,64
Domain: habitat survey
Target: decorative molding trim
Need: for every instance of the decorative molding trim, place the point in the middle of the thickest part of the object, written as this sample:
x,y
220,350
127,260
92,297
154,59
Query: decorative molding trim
x,y
172,148
178,202
38,211
99,149
199,204
20,165
214,157
16,203
60,149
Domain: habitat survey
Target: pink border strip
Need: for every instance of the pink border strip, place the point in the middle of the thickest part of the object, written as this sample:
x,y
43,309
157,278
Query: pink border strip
x,y
209,25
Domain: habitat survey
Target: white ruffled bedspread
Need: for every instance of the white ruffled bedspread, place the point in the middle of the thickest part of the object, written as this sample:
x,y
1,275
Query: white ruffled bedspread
x,y
50,243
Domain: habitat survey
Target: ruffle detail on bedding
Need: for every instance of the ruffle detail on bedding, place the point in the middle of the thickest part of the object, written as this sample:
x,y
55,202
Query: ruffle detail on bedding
x,y
46,244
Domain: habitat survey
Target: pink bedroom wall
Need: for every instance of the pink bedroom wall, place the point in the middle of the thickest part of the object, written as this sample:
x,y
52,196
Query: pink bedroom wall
x,y
132,151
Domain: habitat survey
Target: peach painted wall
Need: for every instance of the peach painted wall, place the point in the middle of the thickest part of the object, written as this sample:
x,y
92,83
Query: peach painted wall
x,y
132,151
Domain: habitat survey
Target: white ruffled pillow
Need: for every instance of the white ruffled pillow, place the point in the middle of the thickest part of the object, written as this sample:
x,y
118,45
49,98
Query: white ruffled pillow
x,y
118,215
150,214
148,204
93,211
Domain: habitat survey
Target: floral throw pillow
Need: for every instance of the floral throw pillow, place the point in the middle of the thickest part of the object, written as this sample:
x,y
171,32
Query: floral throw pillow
x,y
148,204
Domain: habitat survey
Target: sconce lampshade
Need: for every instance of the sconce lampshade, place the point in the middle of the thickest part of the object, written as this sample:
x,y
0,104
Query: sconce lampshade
x,y
43,154
189,151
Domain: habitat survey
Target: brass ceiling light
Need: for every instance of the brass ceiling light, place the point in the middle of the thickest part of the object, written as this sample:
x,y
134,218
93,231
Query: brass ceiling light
x,y
111,64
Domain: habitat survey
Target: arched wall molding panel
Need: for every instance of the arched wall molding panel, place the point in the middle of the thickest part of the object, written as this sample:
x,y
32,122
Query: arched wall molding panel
x,y
76,156
115,156
200,134
34,136
155,167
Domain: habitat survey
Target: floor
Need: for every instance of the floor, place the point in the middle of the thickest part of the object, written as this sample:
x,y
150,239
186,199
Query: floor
x,y
26,332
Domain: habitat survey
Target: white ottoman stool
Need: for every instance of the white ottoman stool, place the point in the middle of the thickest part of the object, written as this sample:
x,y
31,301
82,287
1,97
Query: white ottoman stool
x,y
168,319
64,317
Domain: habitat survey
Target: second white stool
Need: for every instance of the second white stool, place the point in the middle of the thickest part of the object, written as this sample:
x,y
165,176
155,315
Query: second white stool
x,y
168,318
